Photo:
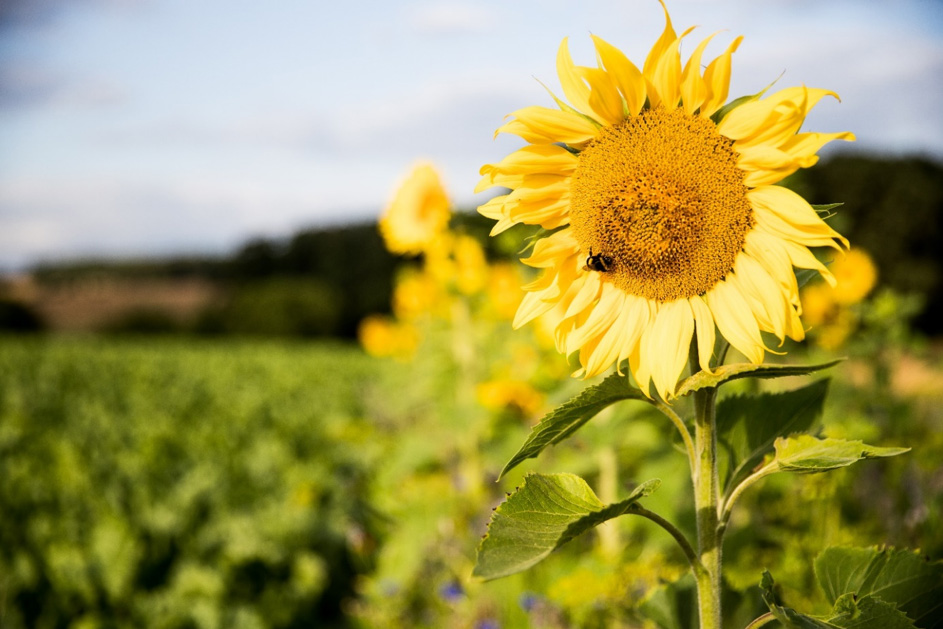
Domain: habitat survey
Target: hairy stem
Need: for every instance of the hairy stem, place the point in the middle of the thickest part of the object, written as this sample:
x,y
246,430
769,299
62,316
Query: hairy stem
x,y
682,429
706,500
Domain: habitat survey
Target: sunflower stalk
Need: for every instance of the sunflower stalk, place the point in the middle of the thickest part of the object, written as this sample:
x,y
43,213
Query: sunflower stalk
x,y
706,503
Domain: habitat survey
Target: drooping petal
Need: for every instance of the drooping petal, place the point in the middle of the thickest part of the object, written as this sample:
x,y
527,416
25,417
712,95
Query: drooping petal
x,y
666,343
734,319
772,120
704,328
786,213
626,76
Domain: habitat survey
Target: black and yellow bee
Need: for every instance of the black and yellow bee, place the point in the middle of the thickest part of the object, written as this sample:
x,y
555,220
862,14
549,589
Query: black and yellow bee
x,y
599,262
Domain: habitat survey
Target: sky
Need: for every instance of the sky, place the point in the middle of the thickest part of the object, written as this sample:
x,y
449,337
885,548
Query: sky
x,y
142,128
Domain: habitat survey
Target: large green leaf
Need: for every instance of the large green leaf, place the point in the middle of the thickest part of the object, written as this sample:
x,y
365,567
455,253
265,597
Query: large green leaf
x,y
747,426
900,577
847,613
546,512
564,420
728,373
804,454
787,616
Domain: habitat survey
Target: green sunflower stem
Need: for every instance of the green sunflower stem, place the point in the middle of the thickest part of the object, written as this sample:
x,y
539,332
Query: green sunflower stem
x,y
706,500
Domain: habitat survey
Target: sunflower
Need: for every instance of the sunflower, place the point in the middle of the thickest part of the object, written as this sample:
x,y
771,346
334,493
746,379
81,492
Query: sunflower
x,y
661,215
418,214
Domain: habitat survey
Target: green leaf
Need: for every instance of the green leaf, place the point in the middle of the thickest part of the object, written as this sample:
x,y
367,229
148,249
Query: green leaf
x,y
787,616
567,418
848,612
728,373
747,426
804,454
900,577
868,613
546,512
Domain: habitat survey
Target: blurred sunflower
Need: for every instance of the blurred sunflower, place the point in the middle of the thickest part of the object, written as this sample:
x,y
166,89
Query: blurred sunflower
x,y
418,214
666,220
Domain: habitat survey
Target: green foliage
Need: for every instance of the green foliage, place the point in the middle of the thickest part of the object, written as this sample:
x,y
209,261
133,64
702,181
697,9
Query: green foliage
x,y
848,613
747,426
728,373
900,577
547,511
804,454
869,588
567,418
282,306
187,484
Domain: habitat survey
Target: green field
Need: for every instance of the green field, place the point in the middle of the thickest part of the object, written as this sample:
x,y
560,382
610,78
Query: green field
x,y
182,483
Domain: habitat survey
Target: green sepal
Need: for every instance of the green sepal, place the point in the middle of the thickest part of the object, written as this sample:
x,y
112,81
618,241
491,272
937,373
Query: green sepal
x,y
547,511
728,373
719,115
748,425
825,210
567,418
898,577
804,454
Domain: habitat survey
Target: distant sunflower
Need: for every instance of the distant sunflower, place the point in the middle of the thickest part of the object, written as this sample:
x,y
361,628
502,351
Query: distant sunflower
x,y
665,214
418,214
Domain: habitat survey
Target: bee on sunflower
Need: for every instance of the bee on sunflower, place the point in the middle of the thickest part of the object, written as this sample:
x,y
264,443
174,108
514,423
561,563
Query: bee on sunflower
x,y
664,221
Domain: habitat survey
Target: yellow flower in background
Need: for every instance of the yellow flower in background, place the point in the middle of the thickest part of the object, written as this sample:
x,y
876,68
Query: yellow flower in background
x,y
471,266
818,303
503,294
500,394
856,275
417,294
382,337
418,214
667,220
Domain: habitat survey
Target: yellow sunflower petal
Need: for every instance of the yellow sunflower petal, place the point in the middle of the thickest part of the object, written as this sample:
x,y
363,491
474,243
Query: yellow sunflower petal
x,y
717,80
668,36
693,87
603,315
604,98
772,120
549,250
704,327
495,210
665,82
571,80
789,214
732,314
626,76
666,343
542,125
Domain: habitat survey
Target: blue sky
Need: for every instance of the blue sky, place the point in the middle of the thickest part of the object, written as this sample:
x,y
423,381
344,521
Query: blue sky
x,y
150,127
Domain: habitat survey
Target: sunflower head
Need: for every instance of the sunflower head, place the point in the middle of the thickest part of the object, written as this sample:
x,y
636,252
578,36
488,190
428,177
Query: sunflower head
x,y
665,221
418,214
